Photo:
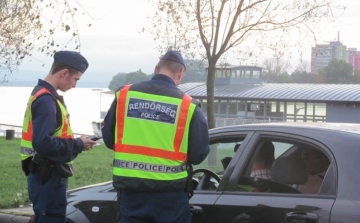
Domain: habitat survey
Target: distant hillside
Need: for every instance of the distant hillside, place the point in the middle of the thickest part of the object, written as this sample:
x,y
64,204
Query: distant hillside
x,y
83,84
24,78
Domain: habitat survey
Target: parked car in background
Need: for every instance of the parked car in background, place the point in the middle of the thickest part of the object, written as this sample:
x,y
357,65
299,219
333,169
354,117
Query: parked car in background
x,y
224,191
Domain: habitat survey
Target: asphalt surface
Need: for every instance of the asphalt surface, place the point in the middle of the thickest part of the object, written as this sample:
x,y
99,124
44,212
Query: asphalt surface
x,y
16,215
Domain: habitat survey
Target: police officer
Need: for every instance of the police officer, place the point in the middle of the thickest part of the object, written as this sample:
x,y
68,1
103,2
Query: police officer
x,y
155,130
48,145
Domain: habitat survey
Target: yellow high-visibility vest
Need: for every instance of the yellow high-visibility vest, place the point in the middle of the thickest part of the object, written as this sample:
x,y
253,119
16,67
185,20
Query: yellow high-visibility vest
x,y
64,131
151,140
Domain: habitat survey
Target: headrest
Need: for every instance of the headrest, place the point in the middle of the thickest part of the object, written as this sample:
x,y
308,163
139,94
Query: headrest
x,y
289,170
236,147
225,162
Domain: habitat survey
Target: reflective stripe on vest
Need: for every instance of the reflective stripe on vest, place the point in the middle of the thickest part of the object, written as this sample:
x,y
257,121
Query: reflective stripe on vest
x,y
151,159
149,167
64,131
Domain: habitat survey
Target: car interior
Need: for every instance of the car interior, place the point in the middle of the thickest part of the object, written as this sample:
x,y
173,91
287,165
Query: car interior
x,y
288,172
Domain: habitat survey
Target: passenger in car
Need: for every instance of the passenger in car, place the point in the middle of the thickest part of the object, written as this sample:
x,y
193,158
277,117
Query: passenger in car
x,y
317,164
264,159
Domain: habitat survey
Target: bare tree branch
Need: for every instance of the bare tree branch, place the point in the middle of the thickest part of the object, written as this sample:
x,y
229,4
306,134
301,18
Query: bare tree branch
x,y
28,25
210,28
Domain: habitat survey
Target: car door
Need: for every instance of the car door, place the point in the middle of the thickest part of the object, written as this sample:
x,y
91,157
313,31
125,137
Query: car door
x,y
222,148
274,201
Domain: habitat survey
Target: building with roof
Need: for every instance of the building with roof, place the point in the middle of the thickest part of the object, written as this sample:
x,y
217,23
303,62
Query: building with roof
x,y
242,97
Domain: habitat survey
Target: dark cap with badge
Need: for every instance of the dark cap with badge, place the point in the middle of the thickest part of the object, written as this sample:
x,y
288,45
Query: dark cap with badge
x,y
72,59
174,56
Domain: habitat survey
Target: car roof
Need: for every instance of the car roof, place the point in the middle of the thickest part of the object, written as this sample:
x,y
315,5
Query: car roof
x,y
285,126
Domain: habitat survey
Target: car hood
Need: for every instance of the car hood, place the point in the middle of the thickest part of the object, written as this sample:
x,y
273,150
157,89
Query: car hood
x,y
101,191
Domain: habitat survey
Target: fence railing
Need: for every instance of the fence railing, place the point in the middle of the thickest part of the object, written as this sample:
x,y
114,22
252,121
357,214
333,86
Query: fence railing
x,y
18,130
221,122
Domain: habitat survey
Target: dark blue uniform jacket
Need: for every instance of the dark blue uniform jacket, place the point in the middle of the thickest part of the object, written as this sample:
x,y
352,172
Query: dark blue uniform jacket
x,y
198,147
46,118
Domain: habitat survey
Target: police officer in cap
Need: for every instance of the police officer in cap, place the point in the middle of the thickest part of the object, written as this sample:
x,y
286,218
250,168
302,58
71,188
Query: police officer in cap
x,y
155,129
48,146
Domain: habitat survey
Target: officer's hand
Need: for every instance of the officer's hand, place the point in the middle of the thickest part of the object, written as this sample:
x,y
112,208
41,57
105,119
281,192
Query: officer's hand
x,y
88,143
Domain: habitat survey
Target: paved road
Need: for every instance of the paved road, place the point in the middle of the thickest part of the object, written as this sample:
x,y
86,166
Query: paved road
x,y
16,215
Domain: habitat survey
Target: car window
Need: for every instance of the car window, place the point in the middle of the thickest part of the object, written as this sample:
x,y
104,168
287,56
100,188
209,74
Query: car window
x,y
208,174
283,166
274,165
281,147
220,155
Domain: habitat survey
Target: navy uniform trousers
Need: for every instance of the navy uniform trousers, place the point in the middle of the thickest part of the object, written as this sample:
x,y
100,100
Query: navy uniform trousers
x,y
159,207
49,200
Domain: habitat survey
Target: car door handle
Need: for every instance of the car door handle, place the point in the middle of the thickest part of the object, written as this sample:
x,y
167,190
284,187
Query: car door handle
x,y
307,216
196,209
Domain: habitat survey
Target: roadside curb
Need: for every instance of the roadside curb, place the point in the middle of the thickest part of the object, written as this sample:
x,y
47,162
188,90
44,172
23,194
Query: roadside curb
x,y
11,218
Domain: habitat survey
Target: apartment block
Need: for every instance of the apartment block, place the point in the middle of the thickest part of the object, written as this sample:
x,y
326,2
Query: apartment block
x,y
322,54
354,58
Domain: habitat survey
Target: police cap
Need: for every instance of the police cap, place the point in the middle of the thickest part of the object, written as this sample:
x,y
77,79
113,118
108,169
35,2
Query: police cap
x,y
174,56
72,59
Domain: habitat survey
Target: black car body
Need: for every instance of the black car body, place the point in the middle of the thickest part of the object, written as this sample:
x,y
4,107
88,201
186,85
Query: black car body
x,y
219,198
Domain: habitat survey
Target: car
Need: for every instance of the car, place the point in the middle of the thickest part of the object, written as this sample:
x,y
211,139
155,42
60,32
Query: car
x,y
225,191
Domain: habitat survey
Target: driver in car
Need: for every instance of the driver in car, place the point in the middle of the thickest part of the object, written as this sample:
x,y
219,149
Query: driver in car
x,y
264,159
261,168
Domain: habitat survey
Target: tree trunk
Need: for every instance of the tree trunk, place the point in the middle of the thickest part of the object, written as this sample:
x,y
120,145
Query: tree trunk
x,y
210,85
210,109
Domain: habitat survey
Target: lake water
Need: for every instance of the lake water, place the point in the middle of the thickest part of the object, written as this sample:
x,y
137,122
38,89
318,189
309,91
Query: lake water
x,y
84,105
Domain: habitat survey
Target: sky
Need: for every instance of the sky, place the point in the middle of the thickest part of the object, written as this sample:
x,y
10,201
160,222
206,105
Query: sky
x,y
113,44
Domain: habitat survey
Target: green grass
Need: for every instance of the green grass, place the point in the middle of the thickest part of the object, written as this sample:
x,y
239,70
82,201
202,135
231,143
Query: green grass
x,y
90,167
94,166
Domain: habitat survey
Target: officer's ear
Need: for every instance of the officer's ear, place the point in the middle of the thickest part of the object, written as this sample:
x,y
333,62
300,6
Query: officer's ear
x,y
64,73
177,77
156,69
181,74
